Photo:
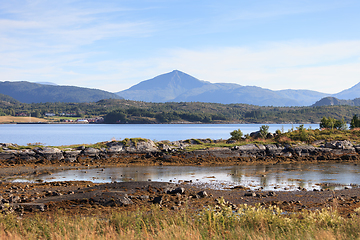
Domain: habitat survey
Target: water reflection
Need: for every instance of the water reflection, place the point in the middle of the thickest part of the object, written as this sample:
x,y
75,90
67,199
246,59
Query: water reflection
x,y
267,177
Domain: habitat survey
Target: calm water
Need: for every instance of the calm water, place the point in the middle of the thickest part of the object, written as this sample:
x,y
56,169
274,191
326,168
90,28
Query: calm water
x,y
67,134
270,177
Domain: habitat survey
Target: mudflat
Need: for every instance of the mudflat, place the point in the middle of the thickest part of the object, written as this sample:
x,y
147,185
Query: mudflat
x,y
85,197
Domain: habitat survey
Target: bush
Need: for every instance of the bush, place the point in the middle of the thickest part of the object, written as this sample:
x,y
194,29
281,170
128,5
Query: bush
x,y
264,131
236,134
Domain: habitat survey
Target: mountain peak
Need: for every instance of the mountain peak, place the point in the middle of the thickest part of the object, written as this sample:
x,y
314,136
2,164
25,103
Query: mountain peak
x,y
350,93
164,87
174,79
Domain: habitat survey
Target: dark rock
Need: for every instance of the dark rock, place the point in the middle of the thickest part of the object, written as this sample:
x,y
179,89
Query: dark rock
x,y
7,154
250,194
158,200
179,190
202,194
32,207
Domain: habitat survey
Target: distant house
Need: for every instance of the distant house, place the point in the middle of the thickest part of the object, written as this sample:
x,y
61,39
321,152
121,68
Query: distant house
x,y
22,114
50,114
67,114
82,121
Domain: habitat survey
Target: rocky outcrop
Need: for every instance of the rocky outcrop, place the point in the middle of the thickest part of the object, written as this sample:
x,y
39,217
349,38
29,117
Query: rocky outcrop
x,y
165,151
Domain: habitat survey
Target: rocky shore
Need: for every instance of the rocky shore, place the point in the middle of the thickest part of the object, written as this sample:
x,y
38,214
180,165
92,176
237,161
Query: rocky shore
x,y
145,151
90,198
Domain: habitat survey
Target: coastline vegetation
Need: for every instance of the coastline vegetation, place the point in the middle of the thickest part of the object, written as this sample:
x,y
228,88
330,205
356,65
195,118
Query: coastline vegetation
x,y
126,111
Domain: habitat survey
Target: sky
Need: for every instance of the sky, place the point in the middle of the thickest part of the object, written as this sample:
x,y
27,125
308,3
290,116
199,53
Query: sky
x,y
115,44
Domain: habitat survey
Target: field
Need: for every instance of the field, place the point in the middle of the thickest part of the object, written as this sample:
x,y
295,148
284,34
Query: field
x,y
12,119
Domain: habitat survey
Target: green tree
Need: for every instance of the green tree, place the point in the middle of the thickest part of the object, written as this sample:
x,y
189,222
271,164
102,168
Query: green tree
x,y
264,131
236,134
117,116
355,122
341,124
328,123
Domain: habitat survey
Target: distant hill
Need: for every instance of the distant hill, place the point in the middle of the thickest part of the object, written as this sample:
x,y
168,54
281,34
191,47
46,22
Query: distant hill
x,y
27,92
351,93
332,101
177,86
47,83
7,99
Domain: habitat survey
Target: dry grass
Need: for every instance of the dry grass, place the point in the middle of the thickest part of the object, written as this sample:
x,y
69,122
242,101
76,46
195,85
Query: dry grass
x,y
211,223
12,119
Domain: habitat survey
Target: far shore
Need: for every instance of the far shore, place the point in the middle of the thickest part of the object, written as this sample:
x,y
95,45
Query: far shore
x,y
34,120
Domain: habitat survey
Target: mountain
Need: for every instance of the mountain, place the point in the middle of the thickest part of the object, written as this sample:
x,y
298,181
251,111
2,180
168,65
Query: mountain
x,y
177,86
47,83
7,99
27,92
331,101
163,88
351,93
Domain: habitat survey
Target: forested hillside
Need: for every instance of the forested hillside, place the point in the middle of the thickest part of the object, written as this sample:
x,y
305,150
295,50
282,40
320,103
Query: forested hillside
x,y
28,92
126,111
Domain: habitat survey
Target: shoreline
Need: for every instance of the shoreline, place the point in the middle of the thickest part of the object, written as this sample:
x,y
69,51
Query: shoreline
x,y
72,196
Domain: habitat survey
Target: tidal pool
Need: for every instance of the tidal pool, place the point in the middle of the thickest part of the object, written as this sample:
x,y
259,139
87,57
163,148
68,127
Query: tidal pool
x,y
277,177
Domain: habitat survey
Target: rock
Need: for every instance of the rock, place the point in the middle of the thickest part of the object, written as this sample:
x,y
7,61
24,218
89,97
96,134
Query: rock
x,y
91,152
216,152
14,199
31,207
251,150
142,146
270,135
202,194
158,200
144,197
50,153
71,156
8,145
250,194
274,150
7,154
345,144
255,134
115,147
26,154
179,190
304,150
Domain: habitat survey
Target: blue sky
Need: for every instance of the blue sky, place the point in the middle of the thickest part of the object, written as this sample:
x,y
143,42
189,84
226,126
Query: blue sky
x,y
112,45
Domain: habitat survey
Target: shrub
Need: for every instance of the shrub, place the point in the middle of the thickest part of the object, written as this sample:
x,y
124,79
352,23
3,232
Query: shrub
x,y
236,134
264,131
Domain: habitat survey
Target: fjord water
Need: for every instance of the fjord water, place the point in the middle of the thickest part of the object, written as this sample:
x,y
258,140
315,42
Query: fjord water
x,y
67,134
268,177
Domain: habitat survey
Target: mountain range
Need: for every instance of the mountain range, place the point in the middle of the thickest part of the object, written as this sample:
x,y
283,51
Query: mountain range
x,y
28,92
177,86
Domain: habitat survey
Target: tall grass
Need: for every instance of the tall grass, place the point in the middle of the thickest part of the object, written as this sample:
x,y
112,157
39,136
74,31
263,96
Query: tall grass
x,y
249,222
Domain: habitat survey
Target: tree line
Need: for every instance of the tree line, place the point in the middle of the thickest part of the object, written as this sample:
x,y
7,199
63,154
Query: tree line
x,y
126,111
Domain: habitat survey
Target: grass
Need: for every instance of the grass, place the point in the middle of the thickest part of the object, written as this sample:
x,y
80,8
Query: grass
x,y
12,119
220,222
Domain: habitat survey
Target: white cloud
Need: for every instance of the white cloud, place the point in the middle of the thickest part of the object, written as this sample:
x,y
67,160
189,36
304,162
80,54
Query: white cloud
x,y
291,65
329,67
